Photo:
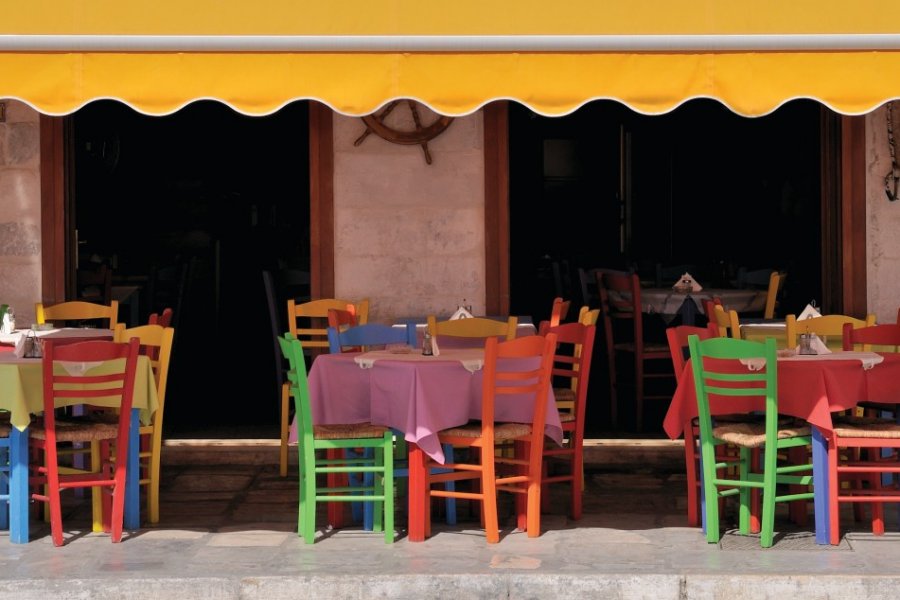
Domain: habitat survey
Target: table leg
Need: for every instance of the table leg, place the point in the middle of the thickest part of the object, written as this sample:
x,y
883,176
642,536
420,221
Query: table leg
x,y
18,486
417,495
820,485
133,479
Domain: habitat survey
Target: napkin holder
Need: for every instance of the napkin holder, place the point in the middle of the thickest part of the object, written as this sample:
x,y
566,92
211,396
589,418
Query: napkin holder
x,y
810,344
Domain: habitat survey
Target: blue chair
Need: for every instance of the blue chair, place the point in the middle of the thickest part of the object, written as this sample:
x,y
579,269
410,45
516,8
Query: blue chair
x,y
377,334
370,334
5,475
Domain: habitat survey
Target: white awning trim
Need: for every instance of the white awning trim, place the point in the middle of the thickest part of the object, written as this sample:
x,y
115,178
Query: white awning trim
x,y
701,43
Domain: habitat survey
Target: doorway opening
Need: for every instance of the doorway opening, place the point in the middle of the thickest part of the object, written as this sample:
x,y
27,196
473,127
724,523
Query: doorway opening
x,y
701,185
216,197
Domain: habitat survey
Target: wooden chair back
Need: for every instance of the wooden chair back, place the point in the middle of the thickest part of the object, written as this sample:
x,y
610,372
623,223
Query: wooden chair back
x,y
476,328
77,310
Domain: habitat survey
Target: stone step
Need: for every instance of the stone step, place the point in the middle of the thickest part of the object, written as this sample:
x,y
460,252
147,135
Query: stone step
x,y
598,453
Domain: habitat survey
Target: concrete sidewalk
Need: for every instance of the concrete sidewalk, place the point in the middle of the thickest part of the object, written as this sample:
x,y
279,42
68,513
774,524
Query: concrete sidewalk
x,y
228,531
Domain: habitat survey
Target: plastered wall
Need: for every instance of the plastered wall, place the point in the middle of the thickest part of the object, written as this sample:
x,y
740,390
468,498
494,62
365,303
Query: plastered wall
x,y
410,236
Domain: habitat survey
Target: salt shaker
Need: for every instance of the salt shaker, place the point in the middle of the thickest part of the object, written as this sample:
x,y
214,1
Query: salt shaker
x,y
427,349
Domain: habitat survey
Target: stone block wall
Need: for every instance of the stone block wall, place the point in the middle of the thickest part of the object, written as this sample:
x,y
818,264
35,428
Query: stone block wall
x,y
882,220
20,211
410,236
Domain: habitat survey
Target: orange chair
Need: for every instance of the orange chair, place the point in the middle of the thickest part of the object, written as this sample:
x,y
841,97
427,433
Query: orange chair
x,y
571,368
501,378
559,311
112,379
620,301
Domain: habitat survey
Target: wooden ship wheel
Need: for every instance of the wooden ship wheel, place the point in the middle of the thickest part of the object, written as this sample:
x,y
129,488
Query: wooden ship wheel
x,y
418,136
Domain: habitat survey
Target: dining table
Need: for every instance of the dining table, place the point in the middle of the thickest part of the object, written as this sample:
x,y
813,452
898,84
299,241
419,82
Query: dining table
x,y
669,302
417,396
811,388
22,396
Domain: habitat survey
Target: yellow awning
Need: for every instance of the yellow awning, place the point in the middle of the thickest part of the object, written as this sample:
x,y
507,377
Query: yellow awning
x,y
455,56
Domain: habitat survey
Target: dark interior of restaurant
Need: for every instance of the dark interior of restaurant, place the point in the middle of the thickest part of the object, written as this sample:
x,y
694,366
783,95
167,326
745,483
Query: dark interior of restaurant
x,y
601,187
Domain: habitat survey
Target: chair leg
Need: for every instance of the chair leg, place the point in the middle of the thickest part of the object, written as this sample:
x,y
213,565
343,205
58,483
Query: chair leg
x,y
767,530
639,393
834,485
577,478
308,494
613,398
690,465
489,496
284,427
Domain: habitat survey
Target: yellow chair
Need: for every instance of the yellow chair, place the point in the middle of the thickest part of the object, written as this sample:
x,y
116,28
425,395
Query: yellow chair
x,y
307,322
727,322
475,327
776,283
77,310
156,342
588,316
829,328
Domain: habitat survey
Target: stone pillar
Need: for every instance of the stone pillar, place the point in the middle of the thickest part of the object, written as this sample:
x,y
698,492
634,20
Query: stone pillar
x,y
20,211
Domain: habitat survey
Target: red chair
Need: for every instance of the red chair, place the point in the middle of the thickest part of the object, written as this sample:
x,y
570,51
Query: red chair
x,y
620,301
110,381
677,338
164,319
862,449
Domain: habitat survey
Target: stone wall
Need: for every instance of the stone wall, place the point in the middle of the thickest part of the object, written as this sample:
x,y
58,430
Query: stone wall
x,y
883,220
20,211
410,236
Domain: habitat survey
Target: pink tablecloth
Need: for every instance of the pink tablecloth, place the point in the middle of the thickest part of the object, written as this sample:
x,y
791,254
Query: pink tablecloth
x,y
418,398
810,390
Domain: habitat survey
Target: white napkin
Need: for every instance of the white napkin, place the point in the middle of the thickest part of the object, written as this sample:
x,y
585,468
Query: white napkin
x,y
461,313
20,346
867,359
78,368
808,313
685,279
435,350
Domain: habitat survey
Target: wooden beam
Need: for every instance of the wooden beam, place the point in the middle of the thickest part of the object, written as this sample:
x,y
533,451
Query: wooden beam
x,y
853,216
53,210
496,207
321,201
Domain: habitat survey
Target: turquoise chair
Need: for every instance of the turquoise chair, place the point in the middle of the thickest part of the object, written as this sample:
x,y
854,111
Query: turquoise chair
x,y
377,459
376,334
726,378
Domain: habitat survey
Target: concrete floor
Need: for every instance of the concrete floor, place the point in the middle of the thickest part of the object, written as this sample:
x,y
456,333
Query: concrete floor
x,y
228,531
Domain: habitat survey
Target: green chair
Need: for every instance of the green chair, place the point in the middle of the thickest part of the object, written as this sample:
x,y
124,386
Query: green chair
x,y
731,383
311,438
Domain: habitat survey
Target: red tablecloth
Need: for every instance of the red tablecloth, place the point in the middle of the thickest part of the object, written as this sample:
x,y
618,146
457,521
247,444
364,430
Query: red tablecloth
x,y
810,390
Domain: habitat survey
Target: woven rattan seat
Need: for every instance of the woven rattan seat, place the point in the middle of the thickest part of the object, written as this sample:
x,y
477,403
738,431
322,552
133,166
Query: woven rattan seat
x,y
866,427
564,395
350,431
502,431
87,430
753,435
567,418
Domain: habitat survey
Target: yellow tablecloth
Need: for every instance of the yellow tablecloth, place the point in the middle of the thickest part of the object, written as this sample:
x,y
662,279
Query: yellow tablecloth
x,y
22,393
